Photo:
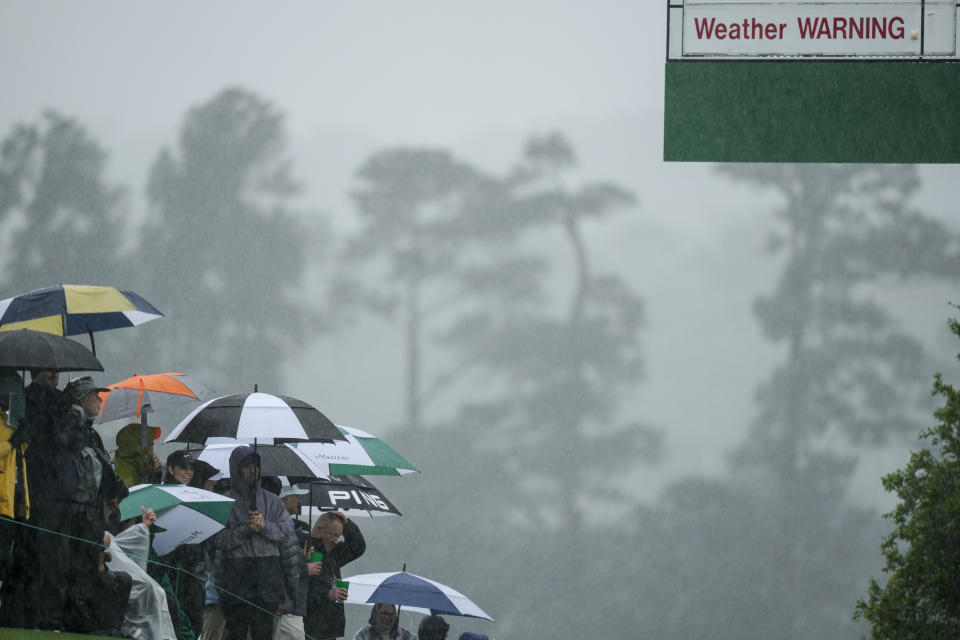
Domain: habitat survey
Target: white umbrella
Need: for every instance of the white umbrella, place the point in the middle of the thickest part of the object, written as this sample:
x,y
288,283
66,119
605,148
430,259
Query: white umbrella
x,y
361,453
188,514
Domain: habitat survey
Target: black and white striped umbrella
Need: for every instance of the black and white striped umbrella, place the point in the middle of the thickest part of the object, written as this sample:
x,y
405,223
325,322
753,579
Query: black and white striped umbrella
x,y
254,416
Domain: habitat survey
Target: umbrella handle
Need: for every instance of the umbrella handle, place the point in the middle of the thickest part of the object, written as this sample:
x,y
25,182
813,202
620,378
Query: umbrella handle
x,y
93,346
143,429
256,483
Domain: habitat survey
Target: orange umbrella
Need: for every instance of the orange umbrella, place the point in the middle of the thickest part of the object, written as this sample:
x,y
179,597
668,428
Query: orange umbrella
x,y
158,391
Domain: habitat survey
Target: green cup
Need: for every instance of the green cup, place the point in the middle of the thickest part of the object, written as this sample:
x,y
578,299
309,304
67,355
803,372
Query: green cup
x,y
316,556
343,584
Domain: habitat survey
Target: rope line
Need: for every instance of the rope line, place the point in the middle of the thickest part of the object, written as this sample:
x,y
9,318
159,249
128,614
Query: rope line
x,y
147,560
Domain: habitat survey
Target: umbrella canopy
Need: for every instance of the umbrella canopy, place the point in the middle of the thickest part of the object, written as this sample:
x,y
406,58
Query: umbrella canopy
x,y
70,309
413,592
26,349
353,494
254,415
149,393
361,453
188,514
275,460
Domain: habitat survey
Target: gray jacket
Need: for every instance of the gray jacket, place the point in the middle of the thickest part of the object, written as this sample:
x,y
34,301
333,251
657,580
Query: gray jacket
x,y
237,540
248,563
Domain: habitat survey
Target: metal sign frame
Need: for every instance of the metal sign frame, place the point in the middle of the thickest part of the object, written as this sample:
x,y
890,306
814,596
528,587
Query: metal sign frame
x,y
837,30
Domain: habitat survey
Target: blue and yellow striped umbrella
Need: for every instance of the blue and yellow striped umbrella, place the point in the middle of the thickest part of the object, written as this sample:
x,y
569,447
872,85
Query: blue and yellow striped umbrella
x,y
70,309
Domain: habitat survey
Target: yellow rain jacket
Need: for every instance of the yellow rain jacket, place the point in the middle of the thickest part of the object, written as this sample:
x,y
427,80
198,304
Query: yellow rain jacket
x,y
9,475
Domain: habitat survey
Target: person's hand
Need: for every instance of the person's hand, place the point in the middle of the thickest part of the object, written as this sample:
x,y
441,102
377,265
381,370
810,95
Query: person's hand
x,y
149,516
314,568
155,463
337,594
257,523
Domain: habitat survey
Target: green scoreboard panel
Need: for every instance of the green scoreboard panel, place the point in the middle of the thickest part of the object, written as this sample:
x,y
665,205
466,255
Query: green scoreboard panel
x,y
825,81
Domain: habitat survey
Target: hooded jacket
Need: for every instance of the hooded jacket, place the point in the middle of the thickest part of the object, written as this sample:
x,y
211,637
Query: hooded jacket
x,y
134,462
249,562
372,630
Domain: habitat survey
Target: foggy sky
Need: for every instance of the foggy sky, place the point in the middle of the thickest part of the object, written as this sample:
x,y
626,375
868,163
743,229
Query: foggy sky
x,y
476,78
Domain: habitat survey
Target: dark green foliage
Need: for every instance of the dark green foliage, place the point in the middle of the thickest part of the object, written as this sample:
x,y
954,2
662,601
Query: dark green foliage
x,y
920,599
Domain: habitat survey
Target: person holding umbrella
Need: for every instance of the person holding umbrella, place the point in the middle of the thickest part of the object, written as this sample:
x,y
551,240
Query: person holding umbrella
x,y
98,485
248,562
325,615
35,594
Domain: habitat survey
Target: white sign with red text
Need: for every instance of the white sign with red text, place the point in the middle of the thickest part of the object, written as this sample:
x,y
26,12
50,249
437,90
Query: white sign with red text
x,y
825,28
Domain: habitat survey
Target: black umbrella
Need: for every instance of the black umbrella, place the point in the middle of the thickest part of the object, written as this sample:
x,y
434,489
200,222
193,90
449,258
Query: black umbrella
x,y
352,494
28,349
275,460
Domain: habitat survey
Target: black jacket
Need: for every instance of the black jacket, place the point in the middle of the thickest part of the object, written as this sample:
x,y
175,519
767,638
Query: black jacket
x,y
326,619
55,435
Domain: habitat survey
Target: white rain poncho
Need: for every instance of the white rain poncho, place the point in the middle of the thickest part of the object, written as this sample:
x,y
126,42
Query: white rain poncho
x,y
147,616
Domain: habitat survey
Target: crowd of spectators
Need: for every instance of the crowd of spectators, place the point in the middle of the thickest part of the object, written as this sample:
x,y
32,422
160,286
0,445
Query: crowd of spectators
x,y
68,563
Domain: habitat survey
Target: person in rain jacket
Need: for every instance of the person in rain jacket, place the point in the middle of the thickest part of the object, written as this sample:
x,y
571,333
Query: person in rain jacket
x,y
179,568
137,464
14,491
296,568
248,563
35,593
97,487
325,616
147,614
384,625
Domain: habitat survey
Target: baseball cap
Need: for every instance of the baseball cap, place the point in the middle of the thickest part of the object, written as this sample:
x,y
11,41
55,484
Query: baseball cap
x,y
287,490
180,459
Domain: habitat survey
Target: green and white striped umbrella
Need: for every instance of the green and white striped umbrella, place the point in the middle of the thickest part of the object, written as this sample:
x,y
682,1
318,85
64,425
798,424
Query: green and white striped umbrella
x,y
188,514
362,454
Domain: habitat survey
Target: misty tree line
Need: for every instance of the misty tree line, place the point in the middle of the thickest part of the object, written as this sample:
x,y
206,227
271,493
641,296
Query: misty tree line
x,y
492,287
